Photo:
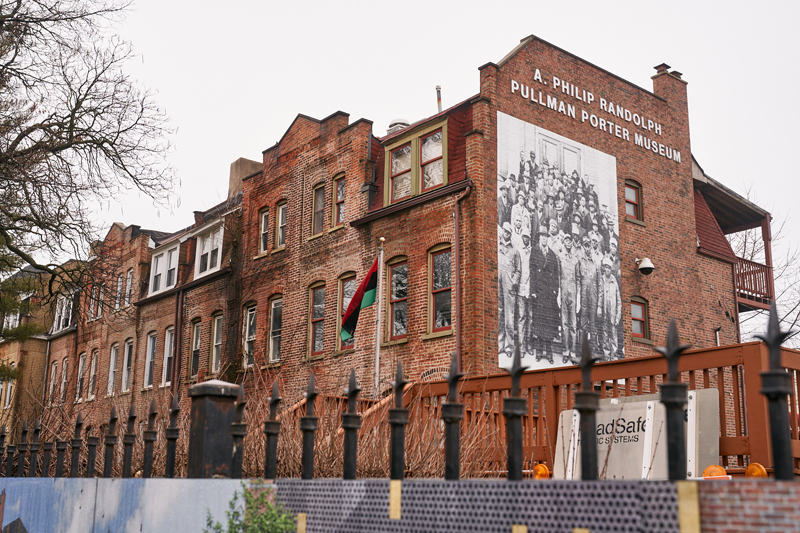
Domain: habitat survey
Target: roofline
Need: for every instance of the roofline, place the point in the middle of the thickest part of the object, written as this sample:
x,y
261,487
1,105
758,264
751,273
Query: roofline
x,y
736,196
312,119
423,121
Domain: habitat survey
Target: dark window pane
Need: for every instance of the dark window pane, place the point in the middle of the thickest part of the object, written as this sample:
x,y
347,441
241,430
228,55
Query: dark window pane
x,y
319,303
441,270
431,147
432,174
399,319
401,160
214,256
399,282
441,306
319,209
318,334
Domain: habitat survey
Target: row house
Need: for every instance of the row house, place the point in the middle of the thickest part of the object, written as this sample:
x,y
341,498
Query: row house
x,y
559,200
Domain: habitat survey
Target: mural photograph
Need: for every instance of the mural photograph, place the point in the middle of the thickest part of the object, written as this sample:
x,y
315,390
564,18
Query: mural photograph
x,y
557,248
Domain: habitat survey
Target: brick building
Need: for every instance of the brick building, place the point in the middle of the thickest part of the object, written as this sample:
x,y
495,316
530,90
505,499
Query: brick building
x,y
255,288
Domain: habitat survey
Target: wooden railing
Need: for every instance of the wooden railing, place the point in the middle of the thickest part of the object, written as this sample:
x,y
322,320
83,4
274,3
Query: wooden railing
x,y
754,282
733,370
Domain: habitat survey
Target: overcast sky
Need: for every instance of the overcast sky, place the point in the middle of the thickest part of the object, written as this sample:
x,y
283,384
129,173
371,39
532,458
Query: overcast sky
x,y
233,76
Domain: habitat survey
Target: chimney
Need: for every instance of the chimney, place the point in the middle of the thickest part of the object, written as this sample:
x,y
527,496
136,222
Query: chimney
x,y
397,125
240,169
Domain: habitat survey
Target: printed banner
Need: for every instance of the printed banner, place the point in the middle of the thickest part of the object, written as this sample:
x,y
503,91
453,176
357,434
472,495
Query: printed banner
x,y
557,248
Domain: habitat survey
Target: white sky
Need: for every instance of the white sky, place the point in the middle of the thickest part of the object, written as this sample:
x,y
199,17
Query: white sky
x,y
232,76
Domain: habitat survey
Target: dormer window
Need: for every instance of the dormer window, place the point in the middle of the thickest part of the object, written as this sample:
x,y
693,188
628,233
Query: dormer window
x,y
209,252
163,271
416,162
63,317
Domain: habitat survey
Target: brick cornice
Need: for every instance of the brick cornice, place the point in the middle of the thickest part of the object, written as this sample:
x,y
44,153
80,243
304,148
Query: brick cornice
x,y
413,202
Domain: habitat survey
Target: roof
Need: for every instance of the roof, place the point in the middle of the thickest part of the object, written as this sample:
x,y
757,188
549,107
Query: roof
x,y
407,129
732,211
710,239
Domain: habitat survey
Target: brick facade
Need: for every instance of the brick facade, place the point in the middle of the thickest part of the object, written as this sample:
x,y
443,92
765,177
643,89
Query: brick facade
x,y
696,289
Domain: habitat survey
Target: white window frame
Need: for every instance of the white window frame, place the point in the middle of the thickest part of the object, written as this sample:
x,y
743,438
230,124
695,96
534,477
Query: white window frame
x,y
52,385
113,361
281,214
263,241
128,286
207,243
169,347
159,268
9,391
127,365
247,337
149,359
64,377
118,297
63,318
79,380
216,342
197,332
99,313
90,393
92,302
273,336
12,319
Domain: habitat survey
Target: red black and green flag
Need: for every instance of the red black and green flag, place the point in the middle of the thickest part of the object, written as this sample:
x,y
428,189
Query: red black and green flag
x,y
364,297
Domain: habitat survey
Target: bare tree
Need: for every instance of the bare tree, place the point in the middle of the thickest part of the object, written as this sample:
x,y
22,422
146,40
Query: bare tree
x,y
75,130
786,272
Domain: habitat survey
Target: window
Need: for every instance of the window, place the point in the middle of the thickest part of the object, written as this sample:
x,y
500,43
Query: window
x,y
128,286
280,228
9,391
93,375
216,345
249,335
262,245
92,302
398,300
440,287
319,210
112,368
100,302
209,249
127,362
639,318
64,375
79,382
11,320
347,288
416,163
338,201
195,362
52,386
118,297
166,368
430,148
163,273
317,319
633,200
275,325
63,313
150,357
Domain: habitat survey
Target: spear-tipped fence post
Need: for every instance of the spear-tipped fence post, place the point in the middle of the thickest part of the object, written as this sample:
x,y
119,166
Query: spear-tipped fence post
x,y
351,423
271,428
34,462
2,446
61,450
77,442
10,451
47,455
172,433
776,385
452,414
398,418
21,449
110,443
587,402
238,433
308,425
128,440
514,408
92,441
673,396
150,435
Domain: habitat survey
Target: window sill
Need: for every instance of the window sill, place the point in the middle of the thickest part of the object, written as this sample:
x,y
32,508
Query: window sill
x,y
110,395
635,221
90,399
271,366
336,228
437,334
276,250
317,357
342,352
317,236
190,381
395,342
262,255
125,393
147,388
165,385
642,340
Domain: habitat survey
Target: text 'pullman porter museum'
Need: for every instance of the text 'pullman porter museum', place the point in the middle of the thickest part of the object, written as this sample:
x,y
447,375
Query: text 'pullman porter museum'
x,y
560,200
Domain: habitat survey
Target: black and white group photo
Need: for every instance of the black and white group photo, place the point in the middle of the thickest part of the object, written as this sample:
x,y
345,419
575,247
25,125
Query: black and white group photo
x,y
557,248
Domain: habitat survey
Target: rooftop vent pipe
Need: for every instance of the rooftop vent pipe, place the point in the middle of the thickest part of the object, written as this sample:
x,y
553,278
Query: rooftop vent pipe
x,y
397,125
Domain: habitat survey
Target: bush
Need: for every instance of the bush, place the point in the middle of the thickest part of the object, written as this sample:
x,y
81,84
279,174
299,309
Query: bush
x,y
257,515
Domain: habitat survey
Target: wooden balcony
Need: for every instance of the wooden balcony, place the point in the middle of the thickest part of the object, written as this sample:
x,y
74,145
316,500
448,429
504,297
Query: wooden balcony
x,y
755,287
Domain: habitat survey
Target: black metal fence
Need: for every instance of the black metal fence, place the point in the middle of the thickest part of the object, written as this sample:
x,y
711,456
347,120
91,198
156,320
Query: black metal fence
x,y
218,431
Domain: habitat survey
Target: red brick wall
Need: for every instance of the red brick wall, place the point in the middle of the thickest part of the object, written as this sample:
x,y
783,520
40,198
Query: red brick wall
x,y
746,505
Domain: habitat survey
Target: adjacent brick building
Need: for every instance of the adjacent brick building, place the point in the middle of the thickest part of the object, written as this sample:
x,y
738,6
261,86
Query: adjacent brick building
x,y
255,288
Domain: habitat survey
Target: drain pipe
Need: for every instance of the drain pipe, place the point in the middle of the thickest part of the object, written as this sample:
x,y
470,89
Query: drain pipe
x,y
457,238
176,343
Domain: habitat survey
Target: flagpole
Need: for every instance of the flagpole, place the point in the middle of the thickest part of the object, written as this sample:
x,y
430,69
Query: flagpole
x,y
378,319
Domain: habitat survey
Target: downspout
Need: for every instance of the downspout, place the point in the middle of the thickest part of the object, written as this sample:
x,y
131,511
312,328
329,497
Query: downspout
x,y
457,237
46,368
176,342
